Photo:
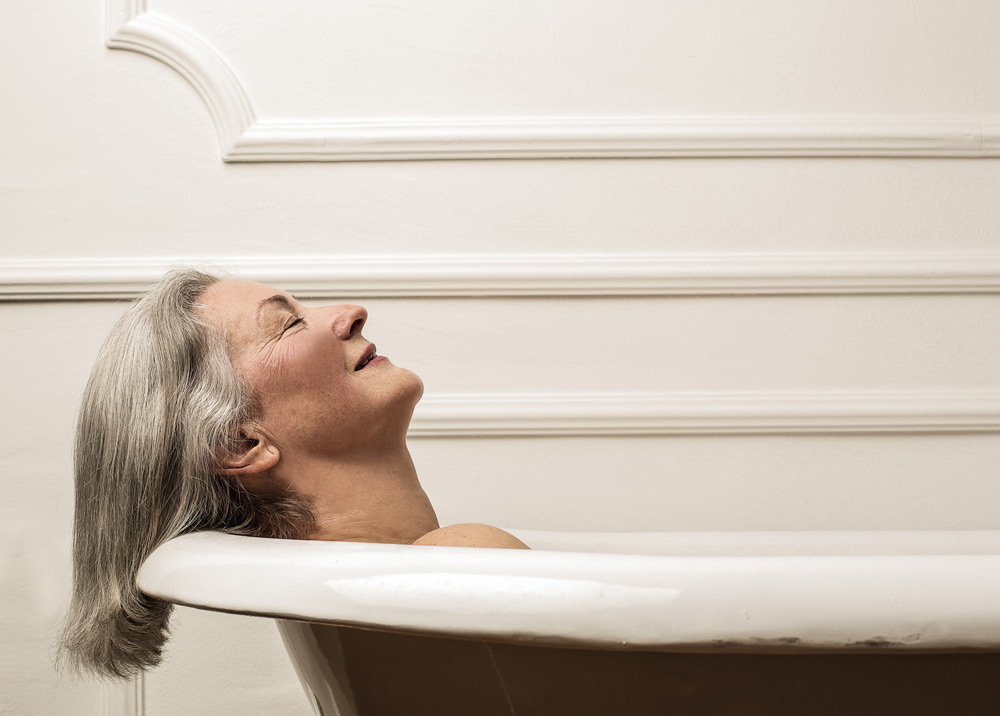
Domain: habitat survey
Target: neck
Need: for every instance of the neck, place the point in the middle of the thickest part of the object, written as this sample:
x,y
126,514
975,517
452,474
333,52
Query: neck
x,y
363,498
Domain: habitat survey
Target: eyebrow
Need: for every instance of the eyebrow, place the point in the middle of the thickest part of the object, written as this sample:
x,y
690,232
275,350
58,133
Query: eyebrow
x,y
276,299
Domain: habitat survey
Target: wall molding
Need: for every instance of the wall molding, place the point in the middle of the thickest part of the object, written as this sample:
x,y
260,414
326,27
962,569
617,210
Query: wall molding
x,y
130,25
124,698
607,137
442,275
705,413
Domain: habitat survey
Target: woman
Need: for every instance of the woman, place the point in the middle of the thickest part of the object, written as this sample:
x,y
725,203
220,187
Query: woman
x,y
227,405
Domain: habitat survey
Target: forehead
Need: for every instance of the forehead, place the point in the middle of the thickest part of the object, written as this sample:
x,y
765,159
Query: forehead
x,y
233,306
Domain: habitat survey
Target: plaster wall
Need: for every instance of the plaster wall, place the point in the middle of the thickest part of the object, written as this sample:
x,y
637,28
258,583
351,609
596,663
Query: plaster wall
x,y
669,266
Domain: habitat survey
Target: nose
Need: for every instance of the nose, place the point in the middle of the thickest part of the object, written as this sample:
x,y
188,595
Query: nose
x,y
349,321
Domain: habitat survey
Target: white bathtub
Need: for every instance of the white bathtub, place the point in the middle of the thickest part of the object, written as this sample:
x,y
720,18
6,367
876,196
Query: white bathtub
x,y
700,623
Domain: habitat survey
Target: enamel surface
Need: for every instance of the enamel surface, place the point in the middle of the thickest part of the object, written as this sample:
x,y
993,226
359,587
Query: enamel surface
x,y
681,591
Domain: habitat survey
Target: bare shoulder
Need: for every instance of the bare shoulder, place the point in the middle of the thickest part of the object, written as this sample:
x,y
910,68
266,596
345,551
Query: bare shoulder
x,y
471,535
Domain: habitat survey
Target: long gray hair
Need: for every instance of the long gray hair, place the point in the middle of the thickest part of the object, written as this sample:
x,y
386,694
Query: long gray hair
x,y
163,403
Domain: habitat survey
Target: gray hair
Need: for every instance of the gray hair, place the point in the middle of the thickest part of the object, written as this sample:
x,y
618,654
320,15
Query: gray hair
x,y
163,403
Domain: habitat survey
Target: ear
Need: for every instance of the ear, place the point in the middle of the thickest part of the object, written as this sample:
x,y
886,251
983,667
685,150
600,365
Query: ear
x,y
253,454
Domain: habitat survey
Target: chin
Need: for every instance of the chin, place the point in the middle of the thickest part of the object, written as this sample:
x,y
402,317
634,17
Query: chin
x,y
413,385
407,390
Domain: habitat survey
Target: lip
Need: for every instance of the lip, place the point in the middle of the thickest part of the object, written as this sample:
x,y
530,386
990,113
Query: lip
x,y
366,358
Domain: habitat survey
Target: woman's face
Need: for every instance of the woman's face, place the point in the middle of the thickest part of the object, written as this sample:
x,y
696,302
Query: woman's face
x,y
320,389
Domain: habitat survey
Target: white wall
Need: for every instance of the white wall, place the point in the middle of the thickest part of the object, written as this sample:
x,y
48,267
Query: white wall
x,y
661,265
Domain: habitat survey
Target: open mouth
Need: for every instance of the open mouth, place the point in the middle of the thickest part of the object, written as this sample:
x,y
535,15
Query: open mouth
x,y
368,356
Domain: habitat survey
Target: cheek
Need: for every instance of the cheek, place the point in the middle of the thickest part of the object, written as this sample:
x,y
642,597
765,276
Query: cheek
x,y
299,370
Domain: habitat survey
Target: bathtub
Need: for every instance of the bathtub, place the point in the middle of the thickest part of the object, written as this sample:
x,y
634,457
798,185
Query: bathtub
x,y
631,624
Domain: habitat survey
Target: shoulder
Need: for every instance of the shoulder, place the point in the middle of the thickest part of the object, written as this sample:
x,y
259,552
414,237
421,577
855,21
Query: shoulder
x,y
471,535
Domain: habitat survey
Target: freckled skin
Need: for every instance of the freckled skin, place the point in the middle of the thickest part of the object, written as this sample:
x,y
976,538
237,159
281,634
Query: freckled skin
x,y
334,434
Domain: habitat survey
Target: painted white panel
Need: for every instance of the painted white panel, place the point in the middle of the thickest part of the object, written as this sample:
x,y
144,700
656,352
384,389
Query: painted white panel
x,y
692,344
567,79
224,664
124,194
123,161
698,483
36,512
476,58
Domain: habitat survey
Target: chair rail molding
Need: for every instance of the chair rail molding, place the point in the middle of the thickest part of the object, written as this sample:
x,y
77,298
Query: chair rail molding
x,y
706,413
527,274
243,137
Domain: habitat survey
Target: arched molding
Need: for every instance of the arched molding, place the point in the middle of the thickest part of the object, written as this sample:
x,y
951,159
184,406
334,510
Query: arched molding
x,y
131,25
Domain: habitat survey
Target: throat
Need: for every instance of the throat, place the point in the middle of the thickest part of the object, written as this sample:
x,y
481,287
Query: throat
x,y
372,502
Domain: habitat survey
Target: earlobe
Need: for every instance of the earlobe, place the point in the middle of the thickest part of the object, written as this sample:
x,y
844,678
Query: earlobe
x,y
254,455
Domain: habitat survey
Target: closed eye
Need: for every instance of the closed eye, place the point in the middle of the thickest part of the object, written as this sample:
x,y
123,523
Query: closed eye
x,y
293,324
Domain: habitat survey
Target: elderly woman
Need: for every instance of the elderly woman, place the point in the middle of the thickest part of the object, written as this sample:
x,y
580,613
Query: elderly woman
x,y
228,405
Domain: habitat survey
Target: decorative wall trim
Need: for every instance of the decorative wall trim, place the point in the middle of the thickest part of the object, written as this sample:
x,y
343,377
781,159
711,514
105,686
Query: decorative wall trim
x,y
430,275
124,698
705,413
602,137
244,138
129,26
